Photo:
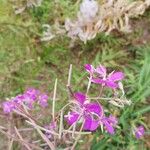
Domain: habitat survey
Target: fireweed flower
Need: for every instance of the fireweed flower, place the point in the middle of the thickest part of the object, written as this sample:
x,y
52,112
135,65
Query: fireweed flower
x,y
8,107
100,76
32,93
28,98
109,123
91,114
90,69
88,112
43,98
139,132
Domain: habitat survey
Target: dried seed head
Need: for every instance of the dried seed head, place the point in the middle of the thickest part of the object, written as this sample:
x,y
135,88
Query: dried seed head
x,y
112,14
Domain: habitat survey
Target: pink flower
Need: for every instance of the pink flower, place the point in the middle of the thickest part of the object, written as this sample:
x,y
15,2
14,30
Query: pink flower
x,y
28,98
90,123
109,123
101,70
139,132
71,117
8,107
99,76
32,93
43,98
88,112
91,113
89,68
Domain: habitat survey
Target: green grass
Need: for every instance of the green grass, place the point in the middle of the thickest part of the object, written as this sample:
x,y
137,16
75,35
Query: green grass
x,y
25,62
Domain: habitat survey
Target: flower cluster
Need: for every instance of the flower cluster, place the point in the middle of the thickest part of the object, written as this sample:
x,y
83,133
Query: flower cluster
x,y
91,114
99,76
85,113
28,98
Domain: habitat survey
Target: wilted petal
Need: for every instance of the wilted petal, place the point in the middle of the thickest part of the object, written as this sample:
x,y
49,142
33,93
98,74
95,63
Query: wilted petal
x,y
90,124
101,70
113,120
117,76
80,97
88,10
139,132
71,117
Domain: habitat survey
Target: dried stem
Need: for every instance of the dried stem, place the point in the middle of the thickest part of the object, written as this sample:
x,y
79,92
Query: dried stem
x,y
69,75
76,132
10,140
10,144
19,135
19,140
77,139
74,128
100,90
50,144
61,124
103,98
70,93
1,127
38,130
88,87
54,99
43,129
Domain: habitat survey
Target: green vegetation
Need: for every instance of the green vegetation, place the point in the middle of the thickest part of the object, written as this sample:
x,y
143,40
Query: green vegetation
x,y
25,61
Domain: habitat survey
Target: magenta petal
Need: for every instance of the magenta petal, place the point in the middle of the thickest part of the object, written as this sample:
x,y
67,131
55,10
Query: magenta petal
x,y
19,99
89,68
71,117
108,126
98,81
111,84
8,107
32,93
43,100
80,97
95,107
90,124
139,132
101,70
117,76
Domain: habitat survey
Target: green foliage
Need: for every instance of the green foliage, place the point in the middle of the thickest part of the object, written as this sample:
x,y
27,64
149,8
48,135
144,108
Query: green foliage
x,y
25,62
